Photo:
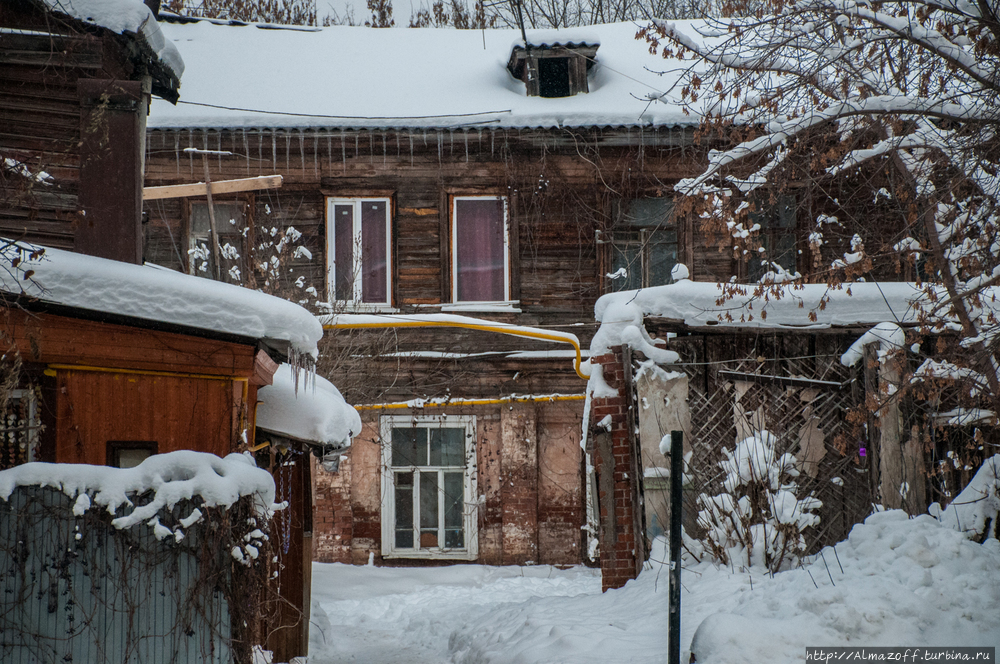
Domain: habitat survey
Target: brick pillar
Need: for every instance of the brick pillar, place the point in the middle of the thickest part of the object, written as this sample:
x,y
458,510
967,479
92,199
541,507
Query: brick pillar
x,y
332,514
617,479
519,483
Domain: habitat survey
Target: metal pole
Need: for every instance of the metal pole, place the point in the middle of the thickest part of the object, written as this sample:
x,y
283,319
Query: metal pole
x,y
676,478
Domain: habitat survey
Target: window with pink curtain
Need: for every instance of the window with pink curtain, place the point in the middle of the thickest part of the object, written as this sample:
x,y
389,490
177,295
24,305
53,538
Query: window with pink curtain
x,y
480,240
359,251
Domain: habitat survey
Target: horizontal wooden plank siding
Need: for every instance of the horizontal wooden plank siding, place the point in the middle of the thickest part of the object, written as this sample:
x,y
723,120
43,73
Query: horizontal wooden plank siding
x,y
53,339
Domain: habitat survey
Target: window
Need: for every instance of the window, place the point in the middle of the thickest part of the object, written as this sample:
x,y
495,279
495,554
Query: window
x,y
480,266
129,453
230,222
776,235
429,488
19,427
643,244
359,250
553,77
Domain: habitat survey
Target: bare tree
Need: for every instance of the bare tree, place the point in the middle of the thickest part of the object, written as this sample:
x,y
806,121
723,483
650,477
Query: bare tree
x,y
290,12
896,102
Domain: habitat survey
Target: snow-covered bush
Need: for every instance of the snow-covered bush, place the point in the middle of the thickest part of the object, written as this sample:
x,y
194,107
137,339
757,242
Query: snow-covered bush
x,y
758,518
976,510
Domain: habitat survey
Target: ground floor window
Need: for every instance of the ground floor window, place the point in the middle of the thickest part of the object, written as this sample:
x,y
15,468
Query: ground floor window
x,y
429,487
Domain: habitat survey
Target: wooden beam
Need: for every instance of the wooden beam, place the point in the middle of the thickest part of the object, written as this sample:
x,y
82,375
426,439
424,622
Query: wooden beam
x,y
221,187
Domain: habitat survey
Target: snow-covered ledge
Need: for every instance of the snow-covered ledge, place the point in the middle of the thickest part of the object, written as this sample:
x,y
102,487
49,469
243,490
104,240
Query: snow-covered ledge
x,y
310,409
172,477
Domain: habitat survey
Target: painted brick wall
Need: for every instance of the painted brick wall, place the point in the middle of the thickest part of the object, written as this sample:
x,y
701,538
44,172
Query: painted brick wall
x,y
621,558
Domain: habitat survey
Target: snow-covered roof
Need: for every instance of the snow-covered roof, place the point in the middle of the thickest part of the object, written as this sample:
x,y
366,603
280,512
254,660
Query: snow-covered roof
x,y
315,412
809,306
405,78
160,295
123,16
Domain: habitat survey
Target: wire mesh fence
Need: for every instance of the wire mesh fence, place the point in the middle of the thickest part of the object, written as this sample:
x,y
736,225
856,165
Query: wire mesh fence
x,y
73,588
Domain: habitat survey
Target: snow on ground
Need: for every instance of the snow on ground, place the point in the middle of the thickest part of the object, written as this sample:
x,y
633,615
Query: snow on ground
x,y
894,582
382,615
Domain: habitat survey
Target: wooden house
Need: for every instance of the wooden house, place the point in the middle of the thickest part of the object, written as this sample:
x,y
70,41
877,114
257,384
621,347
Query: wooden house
x,y
424,180
75,86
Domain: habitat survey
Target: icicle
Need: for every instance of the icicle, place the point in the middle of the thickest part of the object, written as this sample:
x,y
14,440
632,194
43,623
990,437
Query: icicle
x,y
177,150
288,151
371,147
219,157
329,150
440,137
410,134
357,148
451,142
343,149
493,140
385,148
260,151
274,148
302,150
191,154
465,135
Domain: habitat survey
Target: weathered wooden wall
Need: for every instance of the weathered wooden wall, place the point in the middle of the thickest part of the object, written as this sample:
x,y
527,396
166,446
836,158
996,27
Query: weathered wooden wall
x,y
71,107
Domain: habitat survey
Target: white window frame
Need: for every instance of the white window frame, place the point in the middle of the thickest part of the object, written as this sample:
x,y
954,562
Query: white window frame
x,y
470,521
331,249
506,301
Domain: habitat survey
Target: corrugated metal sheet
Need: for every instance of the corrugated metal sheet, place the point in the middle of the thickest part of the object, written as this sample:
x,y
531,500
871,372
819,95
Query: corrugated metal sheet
x,y
75,589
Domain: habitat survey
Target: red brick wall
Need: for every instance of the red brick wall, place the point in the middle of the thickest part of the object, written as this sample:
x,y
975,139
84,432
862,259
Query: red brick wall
x,y
621,558
530,479
332,515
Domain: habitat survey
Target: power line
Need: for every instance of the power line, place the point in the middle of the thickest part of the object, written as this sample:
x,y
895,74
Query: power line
x,y
343,117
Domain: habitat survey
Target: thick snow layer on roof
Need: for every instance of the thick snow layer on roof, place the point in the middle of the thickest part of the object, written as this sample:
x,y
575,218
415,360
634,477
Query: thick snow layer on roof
x,y
367,77
123,16
157,294
698,304
314,412
172,477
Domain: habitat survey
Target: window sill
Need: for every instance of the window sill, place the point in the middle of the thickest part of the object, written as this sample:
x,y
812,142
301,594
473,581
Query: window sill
x,y
483,307
431,555
356,308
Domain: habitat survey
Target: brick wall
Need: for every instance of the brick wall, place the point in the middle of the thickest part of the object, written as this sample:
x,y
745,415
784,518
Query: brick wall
x,y
622,555
332,516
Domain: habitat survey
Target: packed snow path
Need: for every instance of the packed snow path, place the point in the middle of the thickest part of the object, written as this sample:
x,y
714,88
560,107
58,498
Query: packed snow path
x,y
384,615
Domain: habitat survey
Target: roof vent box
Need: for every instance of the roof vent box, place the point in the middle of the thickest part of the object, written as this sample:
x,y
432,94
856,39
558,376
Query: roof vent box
x,y
553,70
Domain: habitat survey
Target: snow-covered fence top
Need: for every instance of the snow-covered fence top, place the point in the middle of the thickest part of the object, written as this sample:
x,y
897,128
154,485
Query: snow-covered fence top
x,y
312,410
440,78
123,16
803,307
172,477
158,294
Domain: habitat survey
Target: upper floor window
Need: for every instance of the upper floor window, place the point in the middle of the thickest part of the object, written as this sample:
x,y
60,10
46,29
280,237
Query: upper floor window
x,y
359,250
480,249
643,244
230,223
776,235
